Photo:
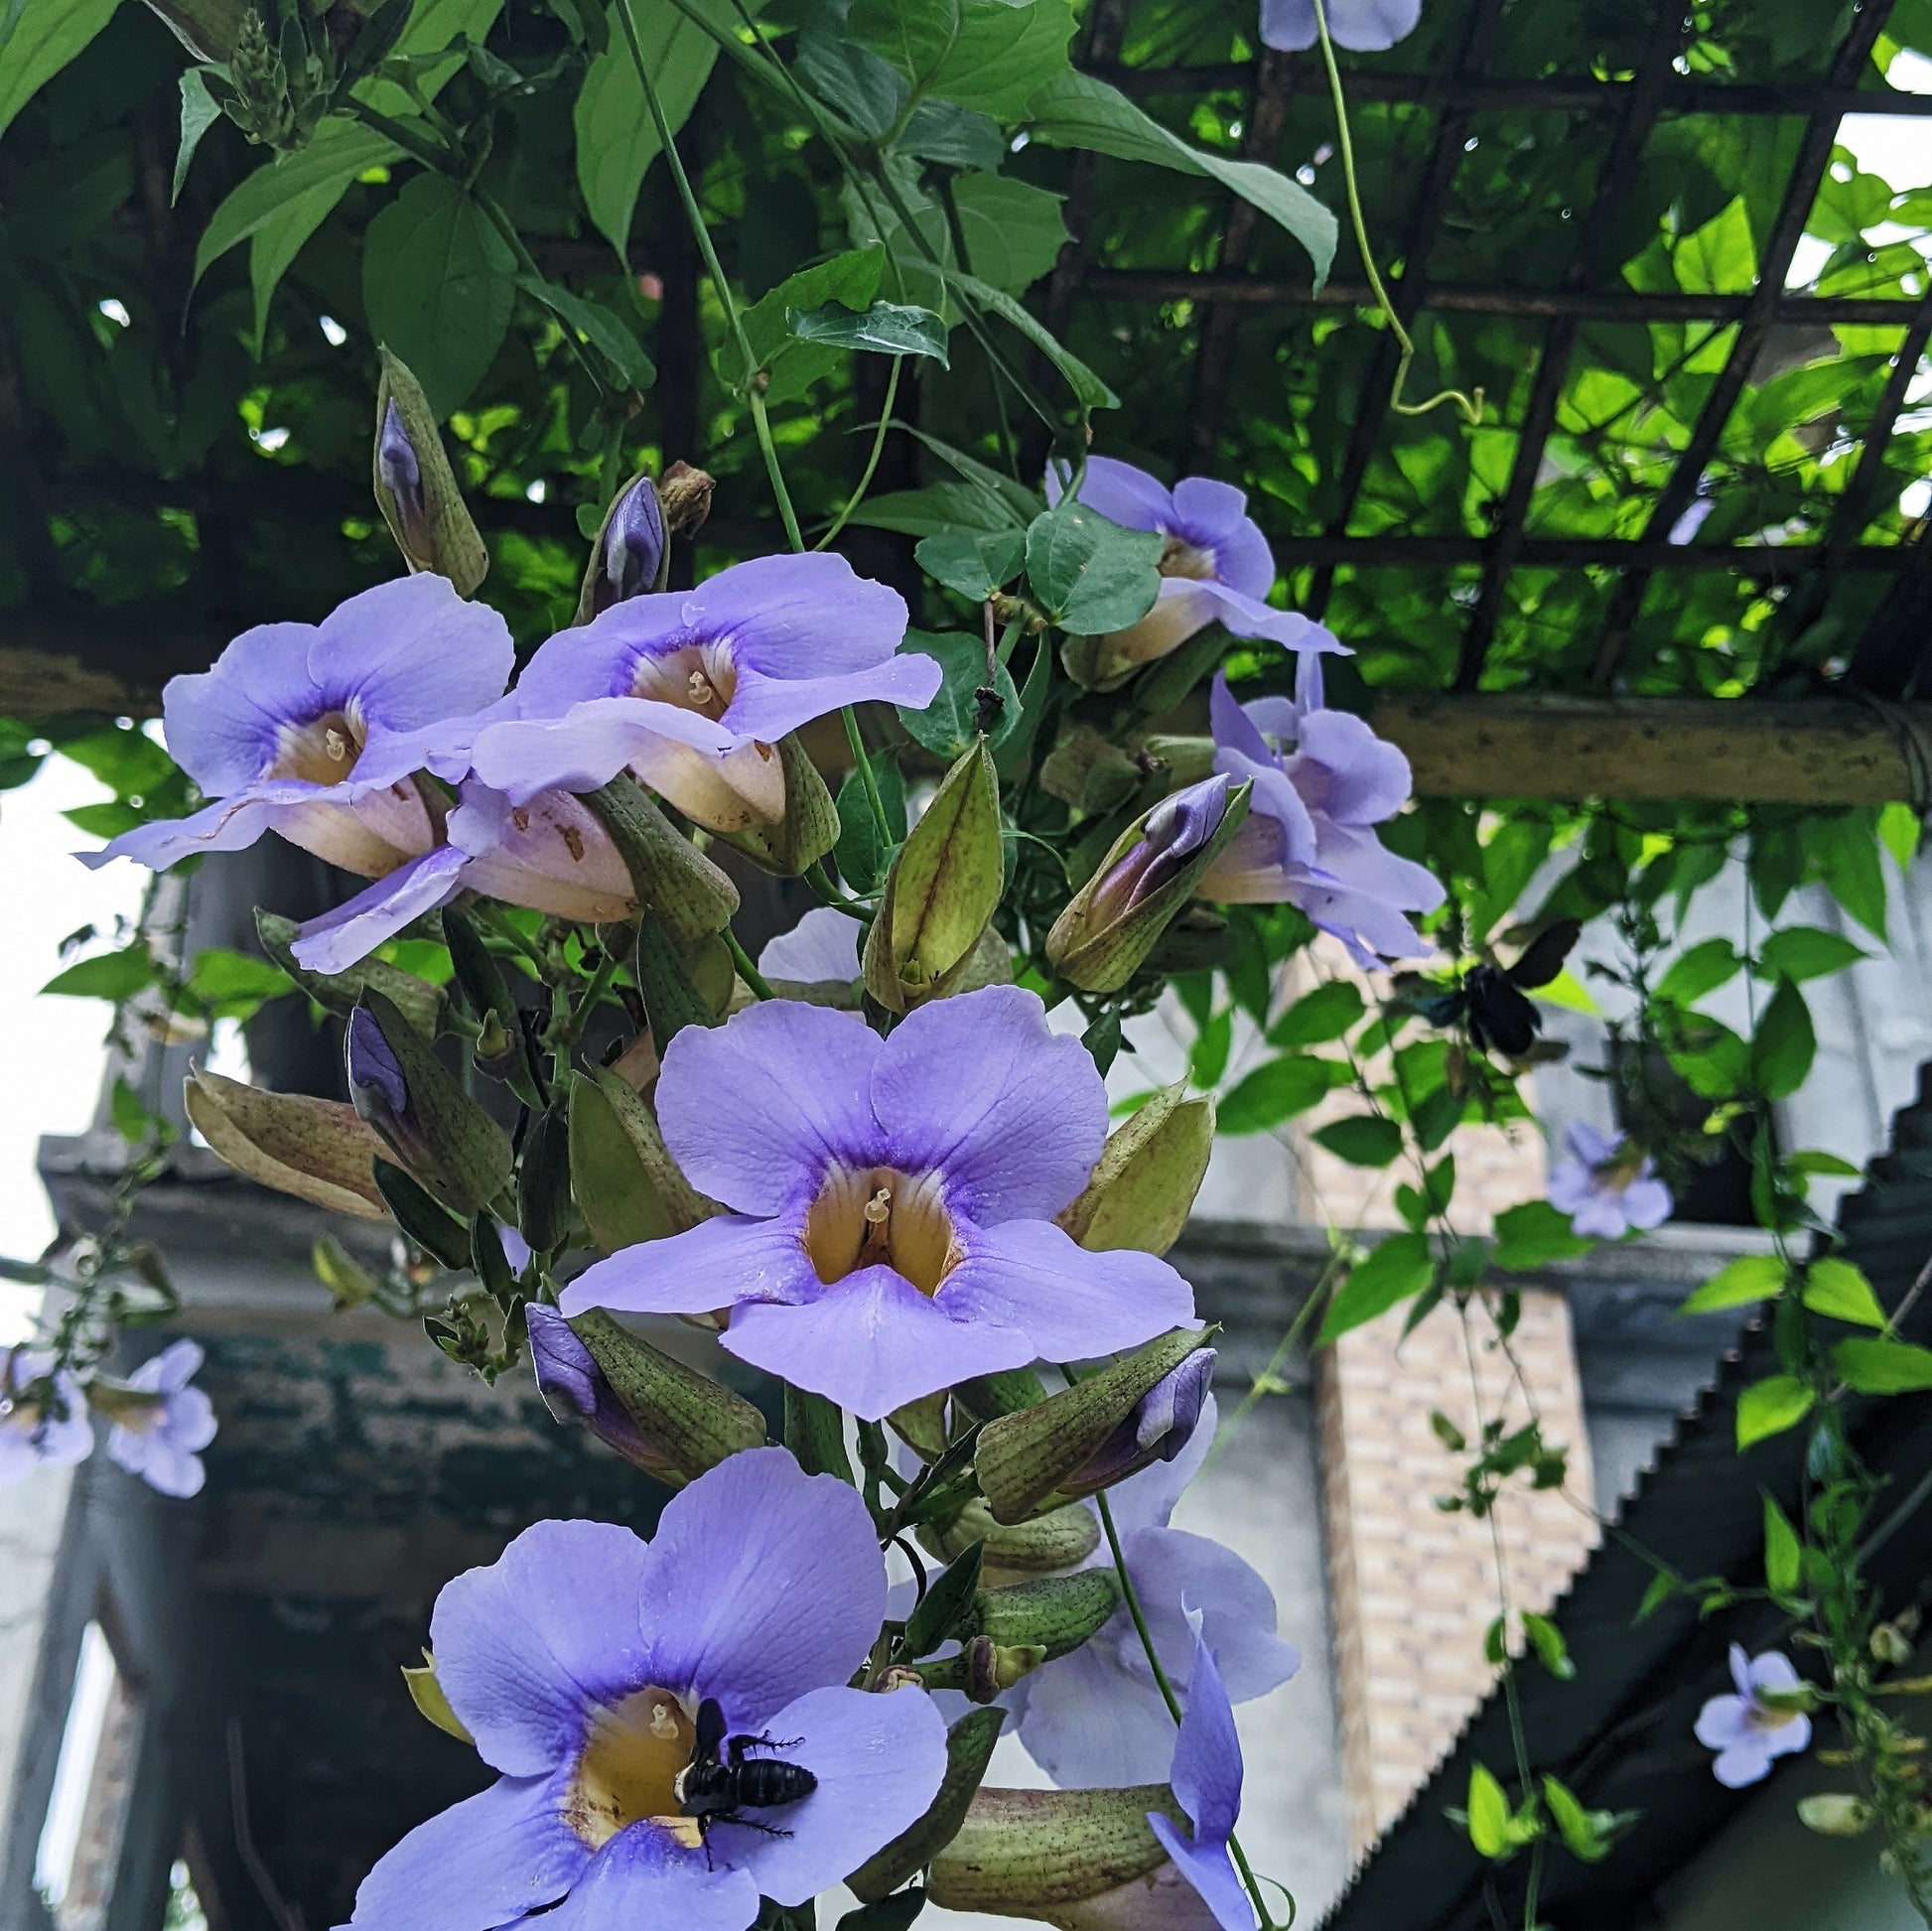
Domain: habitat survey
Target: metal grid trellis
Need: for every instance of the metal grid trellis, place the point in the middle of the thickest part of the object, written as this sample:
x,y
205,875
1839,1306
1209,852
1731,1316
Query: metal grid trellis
x,y
1588,290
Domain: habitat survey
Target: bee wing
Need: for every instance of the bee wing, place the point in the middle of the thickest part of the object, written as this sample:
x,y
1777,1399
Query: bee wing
x,y
1542,959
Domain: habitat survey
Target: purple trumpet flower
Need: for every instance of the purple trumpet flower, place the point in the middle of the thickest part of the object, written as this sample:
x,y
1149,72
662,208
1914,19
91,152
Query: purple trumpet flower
x,y
317,731
1361,26
1750,1729
821,949
1217,566
1207,1777
1096,1717
580,1662
1176,829
43,1417
160,1422
691,689
892,1231
576,1391
552,854
1322,781
1608,1186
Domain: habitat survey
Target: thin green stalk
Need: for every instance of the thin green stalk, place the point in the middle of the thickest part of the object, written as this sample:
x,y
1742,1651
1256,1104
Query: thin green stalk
x,y
1131,1596
867,775
745,969
1471,407
715,269
871,462
1317,1295
828,894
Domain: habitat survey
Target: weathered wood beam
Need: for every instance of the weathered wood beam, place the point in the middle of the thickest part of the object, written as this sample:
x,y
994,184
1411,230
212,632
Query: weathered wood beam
x,y
1743,751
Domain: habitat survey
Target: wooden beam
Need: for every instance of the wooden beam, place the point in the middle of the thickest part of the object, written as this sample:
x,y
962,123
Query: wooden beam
x,y
1743,751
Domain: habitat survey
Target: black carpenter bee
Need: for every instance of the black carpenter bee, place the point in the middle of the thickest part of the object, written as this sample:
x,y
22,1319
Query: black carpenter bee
x,y
724,1779
1491,999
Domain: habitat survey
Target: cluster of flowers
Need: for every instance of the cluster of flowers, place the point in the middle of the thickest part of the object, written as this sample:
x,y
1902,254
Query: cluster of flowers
x,y
157,1423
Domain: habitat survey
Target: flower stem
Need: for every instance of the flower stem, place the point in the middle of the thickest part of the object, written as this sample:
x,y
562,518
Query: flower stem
x,y
745,969
1131,1596
867,775
871,462
1470,406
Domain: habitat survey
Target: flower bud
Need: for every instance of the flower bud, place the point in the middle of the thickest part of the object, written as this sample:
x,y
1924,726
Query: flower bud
x,y
1162,1424
1062,1539
1043,1854
629,1188
684,495
982,1668
1834,1813
543,1181
1028,1462
810,825
668,1419
500,1044
415,488
316,1150
671,879
350,1283
437,1132
1110,926
969,1749
1057,1613
631,554
1144,1184
941,891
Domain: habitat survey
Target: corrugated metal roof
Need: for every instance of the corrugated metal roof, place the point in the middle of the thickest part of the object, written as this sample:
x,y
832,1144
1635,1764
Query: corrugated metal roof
x,y
1619,1733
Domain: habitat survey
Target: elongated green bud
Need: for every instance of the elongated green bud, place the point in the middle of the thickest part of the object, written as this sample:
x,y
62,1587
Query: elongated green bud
x,y
941,891
1024,1459
627,1186
415,488
1040,1853
1144,1186
1062,1539
543,1182
671,877
1057,1613
319,1151
1110,926
969,1749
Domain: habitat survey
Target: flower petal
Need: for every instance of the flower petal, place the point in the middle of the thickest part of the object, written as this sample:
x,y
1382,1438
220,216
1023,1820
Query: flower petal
x,y
753,1110
587,746
1243,616
1072,1304
1206,1774
1722,1722
1647,1202
728,1261
873,1342
879,1761
1601,1217
821,949
527,1644
797,617
979,1087
1211,1870
1361,778
1147,1501
166,1466
223,725
1747,1762
1121,492
645,1877
1772,1671
765,1584
230,824
765,709
338,939
1570,1186
1092,1725
483,1862
1179,1575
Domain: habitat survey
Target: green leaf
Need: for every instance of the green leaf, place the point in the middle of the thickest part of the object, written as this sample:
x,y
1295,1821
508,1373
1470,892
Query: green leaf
x,y
943,1607
1077,111
1807,952
235,985
989,54
1587,1834
974,563
1699,970
1551,1649
1898,832
1840,1291
1090,574
315,177
200,110
1752,1277
437,287
886,328
1663,1586
1534,1234
111,974
1783,1553
862,859
1811,1160
1213,1044
1366,1140
1720,258
1784,1044
1845,849
46,34
1274,1091
1489,1816
1012,232
1782,1402
603,330
950,724
1323,1015
1088,390
617,139
793,364
1884,1367
1400,1266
